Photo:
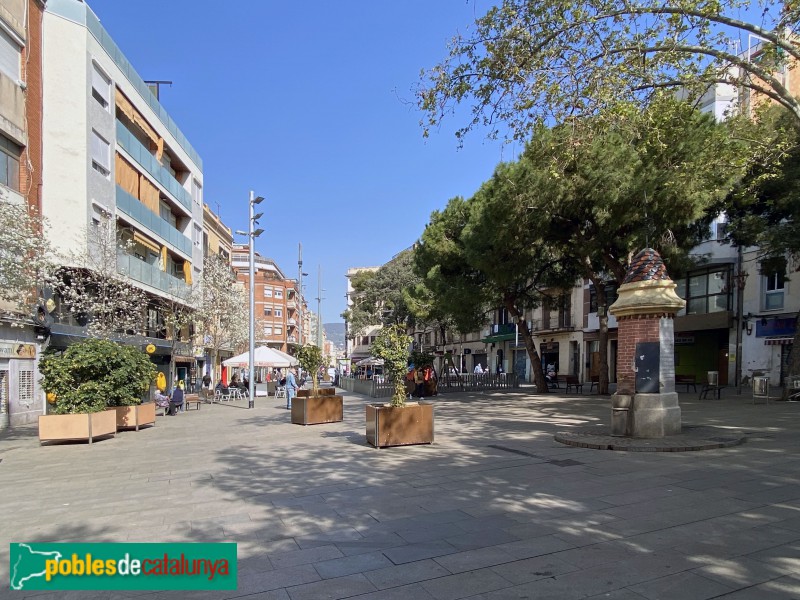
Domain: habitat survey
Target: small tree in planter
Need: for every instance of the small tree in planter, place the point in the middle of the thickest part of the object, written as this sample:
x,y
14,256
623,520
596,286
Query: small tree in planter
x,y
314,407
92,375
397,424
310,358
391,345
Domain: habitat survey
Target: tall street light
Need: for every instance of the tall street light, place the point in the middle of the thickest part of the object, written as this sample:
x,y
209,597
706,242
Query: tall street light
x,y
252,235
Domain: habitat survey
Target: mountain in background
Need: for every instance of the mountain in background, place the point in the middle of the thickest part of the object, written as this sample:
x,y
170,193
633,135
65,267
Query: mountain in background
x,y
335,333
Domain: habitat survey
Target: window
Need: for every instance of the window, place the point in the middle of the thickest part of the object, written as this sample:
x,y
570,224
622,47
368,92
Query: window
x,y
10,55
267,330
267,311
279,293
198,235
611,296
101,154
101,87
774,282
197,192
278,312
267,292
706,291
278,330
9,163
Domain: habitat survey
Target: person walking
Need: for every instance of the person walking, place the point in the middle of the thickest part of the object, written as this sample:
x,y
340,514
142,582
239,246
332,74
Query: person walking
x,y
291,388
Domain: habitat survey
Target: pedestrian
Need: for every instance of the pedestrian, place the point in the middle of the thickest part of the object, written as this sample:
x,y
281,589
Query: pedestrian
x,y
478,369
176,402
291,387
419,383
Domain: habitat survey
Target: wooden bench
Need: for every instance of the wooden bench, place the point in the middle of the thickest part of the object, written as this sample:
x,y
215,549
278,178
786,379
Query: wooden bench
x,y
190,399
571,381
687,380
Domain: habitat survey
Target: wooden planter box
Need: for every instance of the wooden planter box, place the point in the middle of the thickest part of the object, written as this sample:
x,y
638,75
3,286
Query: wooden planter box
x,y
312,410
81,426
320,392
399,426
133,416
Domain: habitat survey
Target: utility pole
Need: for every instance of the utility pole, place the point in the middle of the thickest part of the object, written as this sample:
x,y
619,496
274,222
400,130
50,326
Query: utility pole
x,y
300,291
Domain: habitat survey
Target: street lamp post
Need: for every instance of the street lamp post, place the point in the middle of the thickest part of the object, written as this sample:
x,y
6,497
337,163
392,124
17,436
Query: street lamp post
x,y
252,235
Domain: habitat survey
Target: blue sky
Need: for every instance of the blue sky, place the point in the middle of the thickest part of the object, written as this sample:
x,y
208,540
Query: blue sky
x,y
310,104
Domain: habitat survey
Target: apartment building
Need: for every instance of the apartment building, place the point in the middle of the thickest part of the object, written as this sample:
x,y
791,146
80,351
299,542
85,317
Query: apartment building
x,y
114,156
277,303
20,184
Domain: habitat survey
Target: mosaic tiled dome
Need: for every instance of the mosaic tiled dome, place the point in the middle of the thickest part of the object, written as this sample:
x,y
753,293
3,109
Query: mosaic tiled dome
x,y
647,266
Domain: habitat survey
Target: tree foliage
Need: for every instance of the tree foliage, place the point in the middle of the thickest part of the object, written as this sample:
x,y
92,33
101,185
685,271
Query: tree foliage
x,y
381,296
530,62
487,253
93,374
222,313
95,291
24,258
392,345
310,357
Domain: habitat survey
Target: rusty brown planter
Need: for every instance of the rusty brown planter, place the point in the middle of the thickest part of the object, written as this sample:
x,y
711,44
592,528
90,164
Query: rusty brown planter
x,y
399,425
312,410
320,392
77,427
132,417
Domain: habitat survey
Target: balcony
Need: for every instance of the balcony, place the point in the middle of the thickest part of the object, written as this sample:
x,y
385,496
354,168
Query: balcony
x,y
152,222
148,162
564,322
500,332
148,274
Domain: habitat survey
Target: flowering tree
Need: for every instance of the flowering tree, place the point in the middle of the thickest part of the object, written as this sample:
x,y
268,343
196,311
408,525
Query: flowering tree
x,y
222,315
95,291
24,259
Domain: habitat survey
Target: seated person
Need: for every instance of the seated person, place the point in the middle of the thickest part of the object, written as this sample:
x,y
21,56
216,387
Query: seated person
x,y
176,402
161,399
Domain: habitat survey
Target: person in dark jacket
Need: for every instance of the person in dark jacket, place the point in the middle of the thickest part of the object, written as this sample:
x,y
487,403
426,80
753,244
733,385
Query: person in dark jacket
x,y
176,402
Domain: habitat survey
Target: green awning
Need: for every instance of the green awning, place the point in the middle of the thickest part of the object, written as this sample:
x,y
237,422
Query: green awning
x,y
502,337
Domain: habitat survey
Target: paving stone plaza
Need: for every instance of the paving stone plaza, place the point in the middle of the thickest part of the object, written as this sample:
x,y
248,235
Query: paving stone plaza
x,y
495,509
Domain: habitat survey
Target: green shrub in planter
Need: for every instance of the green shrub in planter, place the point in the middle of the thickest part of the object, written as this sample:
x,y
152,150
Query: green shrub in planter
x,y
94,374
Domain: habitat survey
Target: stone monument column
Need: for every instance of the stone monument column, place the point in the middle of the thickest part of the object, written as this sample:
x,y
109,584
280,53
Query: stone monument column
x,y
645,309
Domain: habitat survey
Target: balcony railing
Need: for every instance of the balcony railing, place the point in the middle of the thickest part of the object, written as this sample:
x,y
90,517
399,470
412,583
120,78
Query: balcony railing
x,y
152,222
149,163
143,272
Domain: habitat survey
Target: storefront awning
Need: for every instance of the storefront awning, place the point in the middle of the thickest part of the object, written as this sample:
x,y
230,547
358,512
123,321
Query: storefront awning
x,y
778,341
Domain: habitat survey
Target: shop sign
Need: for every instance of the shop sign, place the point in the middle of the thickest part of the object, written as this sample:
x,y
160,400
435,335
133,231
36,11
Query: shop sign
x,y
684,340
17,351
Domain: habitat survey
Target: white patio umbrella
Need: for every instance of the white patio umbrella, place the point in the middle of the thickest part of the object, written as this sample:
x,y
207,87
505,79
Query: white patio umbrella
x,y
264,357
